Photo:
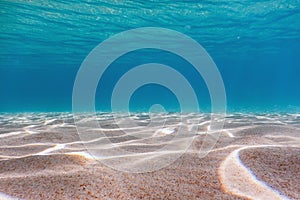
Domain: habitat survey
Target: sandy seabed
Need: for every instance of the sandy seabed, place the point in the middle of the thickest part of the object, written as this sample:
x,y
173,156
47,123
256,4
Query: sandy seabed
x,y
257,156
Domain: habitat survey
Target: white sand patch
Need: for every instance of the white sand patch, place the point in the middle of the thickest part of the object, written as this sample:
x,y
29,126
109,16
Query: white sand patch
x,y
164,131
10,134
4,196
55,148
229,133
237,179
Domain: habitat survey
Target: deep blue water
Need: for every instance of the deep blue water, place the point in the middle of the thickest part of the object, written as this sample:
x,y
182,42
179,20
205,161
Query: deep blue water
x,y
255,45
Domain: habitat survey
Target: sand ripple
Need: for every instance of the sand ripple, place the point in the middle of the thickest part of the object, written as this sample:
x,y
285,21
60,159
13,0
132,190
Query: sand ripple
x,y
256,157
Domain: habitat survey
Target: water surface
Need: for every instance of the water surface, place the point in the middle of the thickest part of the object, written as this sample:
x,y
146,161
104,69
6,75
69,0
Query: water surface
x,y
255,44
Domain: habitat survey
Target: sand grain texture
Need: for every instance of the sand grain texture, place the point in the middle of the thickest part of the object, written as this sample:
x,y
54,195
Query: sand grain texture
x,y
51,163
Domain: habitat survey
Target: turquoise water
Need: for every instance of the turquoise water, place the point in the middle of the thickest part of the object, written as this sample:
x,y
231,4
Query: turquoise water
x,y
255,44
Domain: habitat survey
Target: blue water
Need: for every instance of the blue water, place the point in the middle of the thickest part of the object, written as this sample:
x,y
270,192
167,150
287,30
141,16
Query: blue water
x,y
255,45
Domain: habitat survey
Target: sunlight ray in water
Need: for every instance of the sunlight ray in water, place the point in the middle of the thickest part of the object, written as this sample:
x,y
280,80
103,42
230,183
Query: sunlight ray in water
x,y
138,99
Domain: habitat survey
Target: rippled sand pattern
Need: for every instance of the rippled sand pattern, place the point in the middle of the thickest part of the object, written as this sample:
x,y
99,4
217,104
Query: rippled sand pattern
x,y
256,157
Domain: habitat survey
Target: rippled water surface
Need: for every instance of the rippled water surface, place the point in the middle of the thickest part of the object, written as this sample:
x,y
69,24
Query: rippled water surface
x,y
255,44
